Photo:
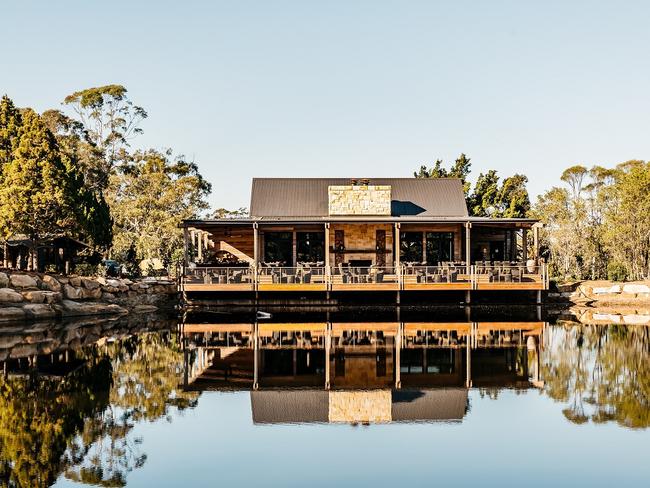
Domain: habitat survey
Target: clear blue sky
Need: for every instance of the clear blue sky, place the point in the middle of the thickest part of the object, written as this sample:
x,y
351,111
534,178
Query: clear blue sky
x,y
351,88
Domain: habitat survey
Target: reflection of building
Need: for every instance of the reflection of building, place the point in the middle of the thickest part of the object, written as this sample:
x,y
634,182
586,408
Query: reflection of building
x,y
361,372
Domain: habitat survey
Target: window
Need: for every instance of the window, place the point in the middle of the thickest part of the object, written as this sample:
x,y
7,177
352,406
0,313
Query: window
x,y
411,247
440,247
278,246
310,247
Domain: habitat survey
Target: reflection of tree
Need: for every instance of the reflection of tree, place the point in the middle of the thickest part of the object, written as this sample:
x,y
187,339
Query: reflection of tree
x,y
82,425
602,372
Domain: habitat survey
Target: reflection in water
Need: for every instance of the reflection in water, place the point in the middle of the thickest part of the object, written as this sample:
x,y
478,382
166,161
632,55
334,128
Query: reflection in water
x,y
73,394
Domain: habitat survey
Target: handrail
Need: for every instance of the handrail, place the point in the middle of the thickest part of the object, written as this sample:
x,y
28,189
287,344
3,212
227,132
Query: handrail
x,y
479,273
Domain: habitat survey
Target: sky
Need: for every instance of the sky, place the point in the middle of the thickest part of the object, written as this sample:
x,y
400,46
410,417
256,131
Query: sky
x,y
350,88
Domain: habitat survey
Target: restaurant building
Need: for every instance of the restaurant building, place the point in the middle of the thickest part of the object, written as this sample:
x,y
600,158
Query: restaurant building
x,y
353,235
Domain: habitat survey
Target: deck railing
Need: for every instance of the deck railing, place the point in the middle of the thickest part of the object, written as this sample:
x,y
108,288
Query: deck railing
x,y
481,276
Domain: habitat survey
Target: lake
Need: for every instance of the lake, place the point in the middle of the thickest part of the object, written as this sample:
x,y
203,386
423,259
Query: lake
x,y
413,396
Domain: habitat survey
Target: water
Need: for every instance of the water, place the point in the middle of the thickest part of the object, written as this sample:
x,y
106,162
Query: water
x,y
410,397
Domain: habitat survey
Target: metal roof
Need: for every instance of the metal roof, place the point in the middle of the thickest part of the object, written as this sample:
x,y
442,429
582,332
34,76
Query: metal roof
x,y
308,197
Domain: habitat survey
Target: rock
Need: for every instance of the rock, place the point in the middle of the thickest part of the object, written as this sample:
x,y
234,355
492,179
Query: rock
x,y
144,308
7,295
9,314
75,281
94,293
114,283
72,308
72,293
39,311
52,296
636,288
51,283
24,350
109,297
101,280
63,280
23,281
34,296
4,280
89,283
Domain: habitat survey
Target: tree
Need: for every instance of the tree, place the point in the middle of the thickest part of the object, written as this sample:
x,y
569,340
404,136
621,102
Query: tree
x,y
222,213
484,199
10,122
111,120
460,169
149,195
33,197
513,197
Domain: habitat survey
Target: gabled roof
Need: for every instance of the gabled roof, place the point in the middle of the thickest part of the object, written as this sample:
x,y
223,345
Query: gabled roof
x,y
308,197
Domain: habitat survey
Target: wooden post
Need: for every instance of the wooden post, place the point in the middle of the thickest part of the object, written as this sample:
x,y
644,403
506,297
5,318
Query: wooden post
x,y
256,350
397,244
524,245
327,245
468,248
199,247
185,249
328,346
536,243
468,362
398,355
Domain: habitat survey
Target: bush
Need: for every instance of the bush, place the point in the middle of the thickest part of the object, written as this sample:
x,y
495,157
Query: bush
x,y
616,272
85,269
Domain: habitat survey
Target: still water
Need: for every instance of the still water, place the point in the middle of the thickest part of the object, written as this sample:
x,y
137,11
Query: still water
x,y
449,397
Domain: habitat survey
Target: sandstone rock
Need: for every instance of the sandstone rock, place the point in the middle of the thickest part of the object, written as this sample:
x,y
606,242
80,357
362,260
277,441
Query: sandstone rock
x,y
89,283
23,281
34,296
63,280
101,280
636,319
72,308
7,295
4,280
95,293
9,314
636,288
8,341
51,283
72,293
52,296
144,308
24,350
114,283
75,281
39,311
109,297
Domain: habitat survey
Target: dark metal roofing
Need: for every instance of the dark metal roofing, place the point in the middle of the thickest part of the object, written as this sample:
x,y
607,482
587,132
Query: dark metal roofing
x,y
308,197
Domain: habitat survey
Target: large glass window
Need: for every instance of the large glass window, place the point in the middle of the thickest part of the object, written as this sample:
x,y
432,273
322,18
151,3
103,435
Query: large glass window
x,y
440,247
310,247
278,247
411,247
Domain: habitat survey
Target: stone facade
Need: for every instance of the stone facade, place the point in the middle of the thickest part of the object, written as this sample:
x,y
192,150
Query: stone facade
x,y
360,200
363,237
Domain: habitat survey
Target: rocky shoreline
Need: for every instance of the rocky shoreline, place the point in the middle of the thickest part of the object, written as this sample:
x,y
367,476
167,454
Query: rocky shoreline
x,y
37,296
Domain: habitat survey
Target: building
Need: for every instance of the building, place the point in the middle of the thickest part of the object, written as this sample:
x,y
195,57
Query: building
x,y
342,235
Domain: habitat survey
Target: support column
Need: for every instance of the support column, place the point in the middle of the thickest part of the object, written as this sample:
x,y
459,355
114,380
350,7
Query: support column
x,y
256,353
185,249
328,347
397,244
468,248
536,243
199,247
327,245
468,361
524,245
398,355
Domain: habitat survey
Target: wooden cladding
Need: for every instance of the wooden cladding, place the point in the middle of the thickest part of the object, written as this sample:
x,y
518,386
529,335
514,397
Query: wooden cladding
x,y
339,245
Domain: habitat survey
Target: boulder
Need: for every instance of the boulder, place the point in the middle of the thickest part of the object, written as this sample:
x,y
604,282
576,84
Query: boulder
x,y
72,293
23,281
39,311
24,350
114,283
4,280
9,314
34,296
51,283
109,297
7,295
75,281
636,288
71,308
52,296
144,308
95,293
89,283
101,280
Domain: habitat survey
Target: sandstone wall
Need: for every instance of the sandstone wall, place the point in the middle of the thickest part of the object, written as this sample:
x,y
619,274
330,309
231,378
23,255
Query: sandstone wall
x,y
30,296
359,200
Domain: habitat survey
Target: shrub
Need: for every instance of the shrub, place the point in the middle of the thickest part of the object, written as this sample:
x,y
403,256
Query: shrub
x,y
616,272
85,269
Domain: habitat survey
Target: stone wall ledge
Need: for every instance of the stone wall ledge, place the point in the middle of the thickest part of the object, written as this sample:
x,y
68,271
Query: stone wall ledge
x,y
37,296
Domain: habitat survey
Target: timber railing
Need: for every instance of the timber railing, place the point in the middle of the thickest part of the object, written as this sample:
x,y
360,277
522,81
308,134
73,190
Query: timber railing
x,y
481,276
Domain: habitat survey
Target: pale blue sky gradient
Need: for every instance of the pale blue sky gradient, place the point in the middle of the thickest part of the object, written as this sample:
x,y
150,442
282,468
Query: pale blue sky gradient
x,y
351,88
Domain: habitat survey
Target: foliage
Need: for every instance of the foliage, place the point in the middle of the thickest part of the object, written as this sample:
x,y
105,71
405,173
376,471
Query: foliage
x,y
600,372
110,119
616,271
10,122
488,199
601,216
222,213
149,195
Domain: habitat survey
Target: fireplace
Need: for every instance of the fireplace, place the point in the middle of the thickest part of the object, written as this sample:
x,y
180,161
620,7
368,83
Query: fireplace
x,y
360,263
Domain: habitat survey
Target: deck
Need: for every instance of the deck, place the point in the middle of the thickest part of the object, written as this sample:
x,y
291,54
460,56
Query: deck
x,y
424,278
